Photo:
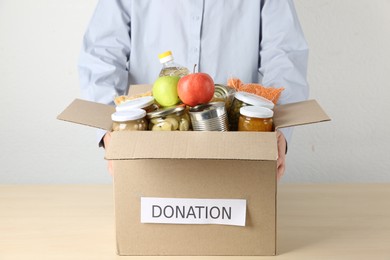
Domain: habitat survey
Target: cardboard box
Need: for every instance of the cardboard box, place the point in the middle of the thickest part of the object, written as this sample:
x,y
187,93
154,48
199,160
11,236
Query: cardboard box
x,y
194,165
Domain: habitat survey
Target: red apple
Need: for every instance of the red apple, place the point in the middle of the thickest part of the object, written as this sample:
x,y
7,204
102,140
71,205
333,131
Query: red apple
x,y
196,88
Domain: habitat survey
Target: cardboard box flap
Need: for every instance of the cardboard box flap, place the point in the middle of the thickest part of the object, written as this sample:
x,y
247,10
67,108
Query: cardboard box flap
x,y
139,89
192,145
300,113
88,113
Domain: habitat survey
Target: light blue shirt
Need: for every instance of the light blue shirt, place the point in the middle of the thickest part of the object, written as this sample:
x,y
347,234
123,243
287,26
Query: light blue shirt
x,y
253,40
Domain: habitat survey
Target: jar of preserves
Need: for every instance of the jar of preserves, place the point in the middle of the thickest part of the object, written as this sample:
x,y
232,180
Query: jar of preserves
x,y
169,119
242,99
146,103
254,118
130,120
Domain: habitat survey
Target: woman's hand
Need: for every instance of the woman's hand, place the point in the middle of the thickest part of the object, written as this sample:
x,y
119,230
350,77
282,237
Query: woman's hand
x,y
106,141
281,162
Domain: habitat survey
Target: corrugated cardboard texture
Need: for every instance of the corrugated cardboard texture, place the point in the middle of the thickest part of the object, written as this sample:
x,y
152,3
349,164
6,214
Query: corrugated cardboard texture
x,y
188,145
88,113
300,113
217,179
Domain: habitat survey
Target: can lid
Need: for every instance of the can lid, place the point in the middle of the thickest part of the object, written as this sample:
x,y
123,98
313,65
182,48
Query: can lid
x,y
141,102
206,107
223,91
254,100
257,112
128,115
207,111
166,111
165,56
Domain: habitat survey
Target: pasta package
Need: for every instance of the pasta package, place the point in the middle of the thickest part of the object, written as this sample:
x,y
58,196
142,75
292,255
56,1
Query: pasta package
x,y
121,99
270,93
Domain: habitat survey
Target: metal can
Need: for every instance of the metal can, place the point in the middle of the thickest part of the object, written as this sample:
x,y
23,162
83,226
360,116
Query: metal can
x,y
209,117
224,94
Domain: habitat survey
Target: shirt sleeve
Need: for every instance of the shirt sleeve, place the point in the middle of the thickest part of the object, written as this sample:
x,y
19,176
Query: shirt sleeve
x,y
283,53
103,60
104,56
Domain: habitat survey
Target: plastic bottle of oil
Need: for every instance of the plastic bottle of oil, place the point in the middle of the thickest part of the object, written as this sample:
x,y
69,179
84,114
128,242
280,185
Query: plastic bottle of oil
x,y
169,67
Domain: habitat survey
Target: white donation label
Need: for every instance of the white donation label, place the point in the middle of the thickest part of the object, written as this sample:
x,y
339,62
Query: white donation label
x,y
193,211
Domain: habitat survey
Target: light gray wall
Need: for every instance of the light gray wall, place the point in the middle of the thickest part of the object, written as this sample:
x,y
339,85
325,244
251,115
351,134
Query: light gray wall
x,y
349,65
348,74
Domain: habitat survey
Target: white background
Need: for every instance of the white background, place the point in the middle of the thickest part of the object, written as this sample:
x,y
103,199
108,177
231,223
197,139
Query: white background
x,y
348,73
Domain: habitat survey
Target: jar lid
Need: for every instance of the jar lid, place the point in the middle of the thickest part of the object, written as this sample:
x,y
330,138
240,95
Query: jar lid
x,y
257,112
141,102
166,111
254,100
128,115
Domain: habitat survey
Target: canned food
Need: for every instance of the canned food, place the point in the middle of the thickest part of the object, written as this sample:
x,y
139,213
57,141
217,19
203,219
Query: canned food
x,y
130,120
169,119
209,117
224,94
255,119
242,99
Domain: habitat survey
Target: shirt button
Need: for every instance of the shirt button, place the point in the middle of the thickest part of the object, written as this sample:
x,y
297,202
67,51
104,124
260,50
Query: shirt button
x,y
195,49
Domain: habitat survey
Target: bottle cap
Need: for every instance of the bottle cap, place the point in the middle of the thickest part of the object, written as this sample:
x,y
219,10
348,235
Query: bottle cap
x,y
254,100
141,102
128,115
257,112
165,56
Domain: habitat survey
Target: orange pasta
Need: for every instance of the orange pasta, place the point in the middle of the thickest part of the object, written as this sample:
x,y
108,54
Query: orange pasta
x,y
270,93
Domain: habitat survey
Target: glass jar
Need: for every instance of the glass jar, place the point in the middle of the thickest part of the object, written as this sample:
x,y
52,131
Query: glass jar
x,y
257,119
242,99
130,120
146,103
170,119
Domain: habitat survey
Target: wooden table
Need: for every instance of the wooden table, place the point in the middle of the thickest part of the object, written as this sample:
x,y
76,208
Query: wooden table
x,y
77,222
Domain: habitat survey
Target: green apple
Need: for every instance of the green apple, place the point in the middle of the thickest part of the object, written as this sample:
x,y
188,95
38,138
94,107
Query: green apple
x,y
165,90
